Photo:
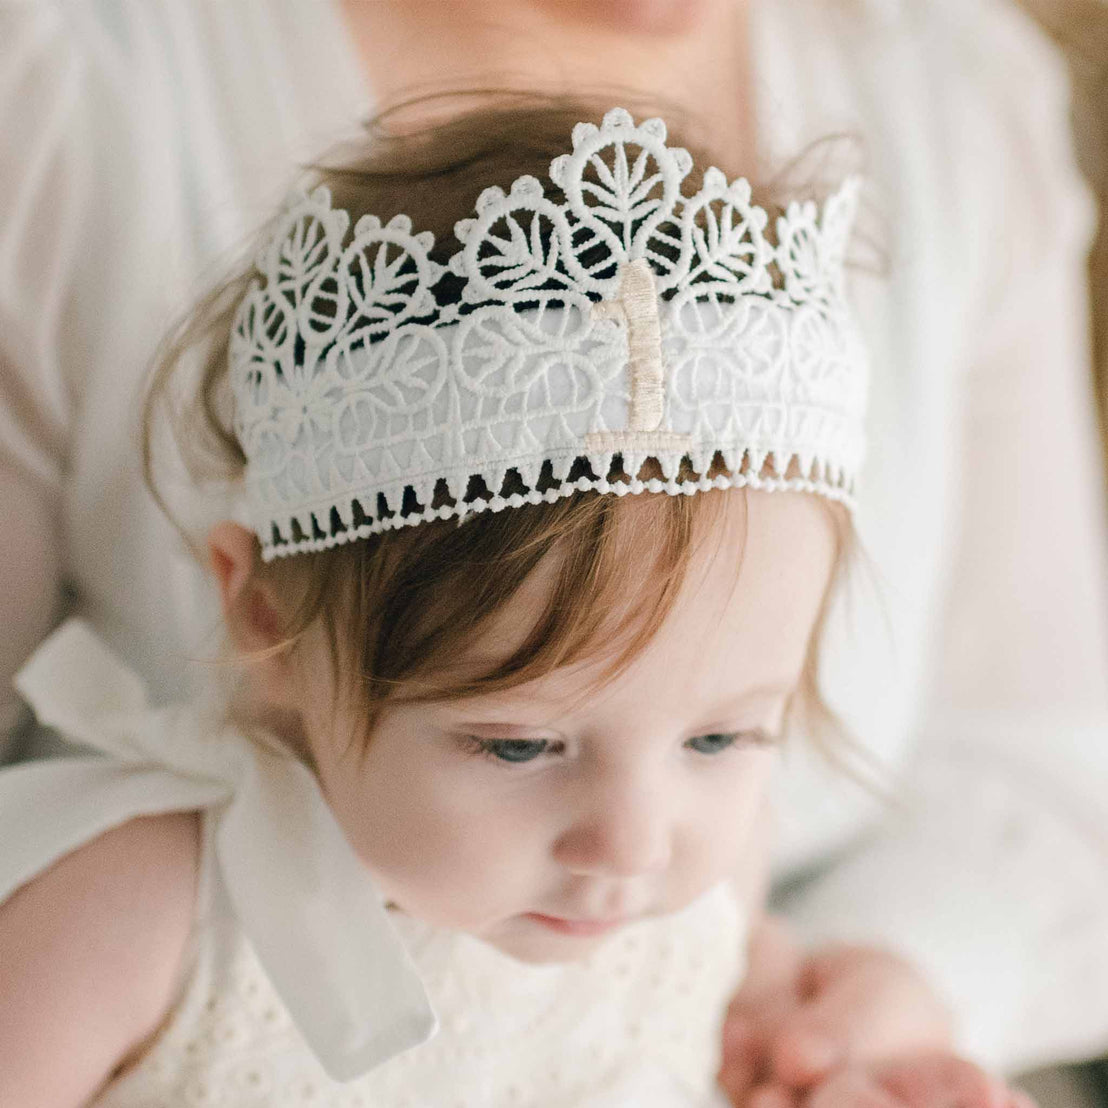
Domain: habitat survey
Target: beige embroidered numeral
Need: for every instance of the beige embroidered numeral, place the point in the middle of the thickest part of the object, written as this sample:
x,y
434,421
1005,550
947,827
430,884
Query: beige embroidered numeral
x,y
637,306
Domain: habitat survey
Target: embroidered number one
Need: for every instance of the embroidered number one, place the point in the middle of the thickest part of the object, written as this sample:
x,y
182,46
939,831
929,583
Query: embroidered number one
x,y
637,306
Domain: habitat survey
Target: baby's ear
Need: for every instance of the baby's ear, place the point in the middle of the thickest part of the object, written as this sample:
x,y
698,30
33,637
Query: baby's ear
x,y
252,619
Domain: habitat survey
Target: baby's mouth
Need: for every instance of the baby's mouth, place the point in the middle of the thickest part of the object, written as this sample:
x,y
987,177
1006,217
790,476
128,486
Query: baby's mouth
x,y
580,928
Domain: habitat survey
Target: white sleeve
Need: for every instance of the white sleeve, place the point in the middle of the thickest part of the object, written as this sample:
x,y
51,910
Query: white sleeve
x,y
995,879
44,174
43,171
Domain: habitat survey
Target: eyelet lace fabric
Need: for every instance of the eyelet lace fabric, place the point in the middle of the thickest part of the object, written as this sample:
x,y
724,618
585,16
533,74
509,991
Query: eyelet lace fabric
x,y
584,336
637,1023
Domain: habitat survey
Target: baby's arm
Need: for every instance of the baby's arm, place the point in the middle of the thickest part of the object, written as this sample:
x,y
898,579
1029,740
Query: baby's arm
x,y
90,952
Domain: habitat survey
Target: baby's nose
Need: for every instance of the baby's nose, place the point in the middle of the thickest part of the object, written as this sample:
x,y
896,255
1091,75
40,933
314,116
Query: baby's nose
x,y
624,833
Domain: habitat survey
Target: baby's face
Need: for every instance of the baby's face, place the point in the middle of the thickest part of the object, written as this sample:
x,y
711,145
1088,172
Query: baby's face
x,y
543,818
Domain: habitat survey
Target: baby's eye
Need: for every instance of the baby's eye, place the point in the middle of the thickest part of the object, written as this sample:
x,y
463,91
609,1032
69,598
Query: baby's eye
x,y
717,743
514,750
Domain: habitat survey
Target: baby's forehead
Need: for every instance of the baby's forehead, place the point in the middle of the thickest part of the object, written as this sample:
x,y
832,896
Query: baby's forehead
x,y
636,542
738,623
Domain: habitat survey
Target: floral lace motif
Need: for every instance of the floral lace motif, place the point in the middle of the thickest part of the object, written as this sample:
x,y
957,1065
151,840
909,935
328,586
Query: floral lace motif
x,y
364,402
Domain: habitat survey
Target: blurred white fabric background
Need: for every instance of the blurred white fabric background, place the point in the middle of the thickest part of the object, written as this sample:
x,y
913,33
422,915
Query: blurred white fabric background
x,y
1081,28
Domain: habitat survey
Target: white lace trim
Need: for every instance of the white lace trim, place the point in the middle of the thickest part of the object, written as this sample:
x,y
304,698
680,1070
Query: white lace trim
x,y
628,321
568,488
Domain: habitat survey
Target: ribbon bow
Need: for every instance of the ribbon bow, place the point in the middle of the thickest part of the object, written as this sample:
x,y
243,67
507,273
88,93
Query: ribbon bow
x,y
305,901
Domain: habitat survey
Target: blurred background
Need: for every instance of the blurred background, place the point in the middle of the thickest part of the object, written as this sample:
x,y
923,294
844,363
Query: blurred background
x,y
1080,27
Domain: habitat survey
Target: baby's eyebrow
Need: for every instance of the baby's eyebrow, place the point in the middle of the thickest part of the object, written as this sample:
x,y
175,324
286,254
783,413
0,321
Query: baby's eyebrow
x,y
493,729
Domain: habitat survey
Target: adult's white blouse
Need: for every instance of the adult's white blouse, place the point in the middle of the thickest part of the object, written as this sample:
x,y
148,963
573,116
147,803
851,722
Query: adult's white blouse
x,y
143,141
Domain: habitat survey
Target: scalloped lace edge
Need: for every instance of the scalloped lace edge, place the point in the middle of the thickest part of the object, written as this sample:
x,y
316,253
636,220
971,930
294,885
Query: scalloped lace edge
x,y
838,488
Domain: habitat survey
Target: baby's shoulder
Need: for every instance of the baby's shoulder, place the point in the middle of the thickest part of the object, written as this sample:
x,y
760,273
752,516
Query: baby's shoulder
x,y
92,951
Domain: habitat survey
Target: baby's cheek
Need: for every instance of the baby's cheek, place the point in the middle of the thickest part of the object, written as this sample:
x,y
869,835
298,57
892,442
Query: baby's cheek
x,y
723,836
443,860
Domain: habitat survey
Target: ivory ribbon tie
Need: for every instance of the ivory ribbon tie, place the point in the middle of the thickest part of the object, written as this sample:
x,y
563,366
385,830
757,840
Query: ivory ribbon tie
x,y
305,901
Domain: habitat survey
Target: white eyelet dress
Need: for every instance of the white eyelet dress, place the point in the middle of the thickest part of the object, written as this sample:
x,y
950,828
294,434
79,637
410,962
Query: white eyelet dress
x,y
300,988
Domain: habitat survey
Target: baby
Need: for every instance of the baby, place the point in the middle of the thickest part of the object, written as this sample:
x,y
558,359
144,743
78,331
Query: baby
x,y
542,511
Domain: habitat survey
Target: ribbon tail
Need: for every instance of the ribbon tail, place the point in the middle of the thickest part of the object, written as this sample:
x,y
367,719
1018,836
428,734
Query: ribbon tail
x,y
48,809
76,685
317,923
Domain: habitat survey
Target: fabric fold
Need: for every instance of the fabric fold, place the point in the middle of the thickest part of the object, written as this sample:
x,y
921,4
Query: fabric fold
x,y
307,904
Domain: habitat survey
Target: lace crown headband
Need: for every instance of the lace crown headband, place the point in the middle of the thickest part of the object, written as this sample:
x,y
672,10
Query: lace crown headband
x,y
627,322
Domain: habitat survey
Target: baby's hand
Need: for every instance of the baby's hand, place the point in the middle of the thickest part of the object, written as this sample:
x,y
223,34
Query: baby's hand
x,y
926,1080
845,1027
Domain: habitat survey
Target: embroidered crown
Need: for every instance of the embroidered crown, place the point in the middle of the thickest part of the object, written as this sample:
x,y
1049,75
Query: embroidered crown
x,y
578,332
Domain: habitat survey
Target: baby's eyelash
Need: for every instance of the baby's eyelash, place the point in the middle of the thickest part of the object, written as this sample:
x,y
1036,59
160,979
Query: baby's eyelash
x,y
522,751
720,741
512,751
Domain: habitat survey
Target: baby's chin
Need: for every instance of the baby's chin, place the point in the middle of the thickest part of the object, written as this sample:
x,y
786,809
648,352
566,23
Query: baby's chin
x,y
544,951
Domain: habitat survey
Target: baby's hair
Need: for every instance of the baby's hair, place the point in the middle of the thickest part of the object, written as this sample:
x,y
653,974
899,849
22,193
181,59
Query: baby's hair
x,y
398,607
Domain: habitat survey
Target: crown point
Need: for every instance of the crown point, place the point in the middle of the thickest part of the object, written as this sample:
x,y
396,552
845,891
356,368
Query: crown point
x,y
656,128
740,191
716,180
682,159
461,232
322,196
527,186
367,224
558,169
616,119
489,197
401,223
426,241
582,132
